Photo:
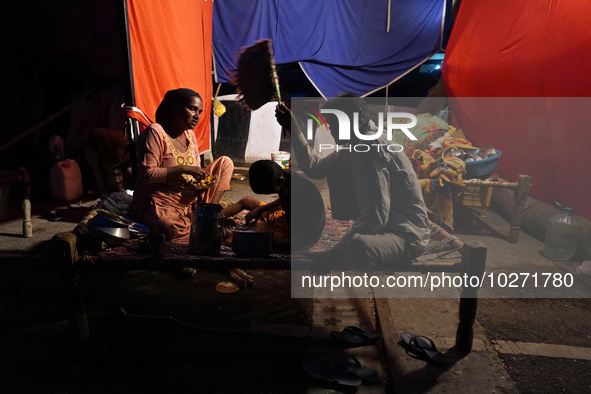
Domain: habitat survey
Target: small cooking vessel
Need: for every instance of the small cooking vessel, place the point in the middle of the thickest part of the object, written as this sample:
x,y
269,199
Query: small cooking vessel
x,y
108,228
250,243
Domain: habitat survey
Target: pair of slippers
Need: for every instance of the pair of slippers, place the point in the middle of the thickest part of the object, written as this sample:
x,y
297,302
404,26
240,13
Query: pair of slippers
x,y
340,372
354,336
422,347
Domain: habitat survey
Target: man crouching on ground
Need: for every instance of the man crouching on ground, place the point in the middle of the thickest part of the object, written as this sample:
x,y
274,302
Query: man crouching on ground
x,y
392,227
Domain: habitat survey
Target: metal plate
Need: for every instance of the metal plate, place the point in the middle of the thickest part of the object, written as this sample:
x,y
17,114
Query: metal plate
x,y
239,177
227,287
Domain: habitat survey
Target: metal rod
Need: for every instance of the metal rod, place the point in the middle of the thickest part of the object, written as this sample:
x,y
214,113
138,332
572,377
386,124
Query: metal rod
x,y
45,121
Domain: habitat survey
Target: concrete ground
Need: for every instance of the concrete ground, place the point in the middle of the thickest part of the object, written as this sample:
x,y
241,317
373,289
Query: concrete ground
x,y
255,340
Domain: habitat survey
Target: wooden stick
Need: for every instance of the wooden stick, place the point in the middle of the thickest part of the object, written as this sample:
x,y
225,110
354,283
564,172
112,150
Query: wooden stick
x,y
274,71
441,234
480,182
474,257
65,256
521,193
27,226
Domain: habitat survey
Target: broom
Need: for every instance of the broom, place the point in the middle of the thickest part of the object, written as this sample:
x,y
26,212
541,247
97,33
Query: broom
x,y
256,76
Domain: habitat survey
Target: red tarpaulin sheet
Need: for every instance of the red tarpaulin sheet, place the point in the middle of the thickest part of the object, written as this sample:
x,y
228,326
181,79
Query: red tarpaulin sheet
x,y
171,48
527,49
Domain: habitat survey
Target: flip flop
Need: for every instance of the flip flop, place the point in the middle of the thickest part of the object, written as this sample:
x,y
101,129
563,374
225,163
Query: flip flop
x,y
330,374
351,364
354,336
419,346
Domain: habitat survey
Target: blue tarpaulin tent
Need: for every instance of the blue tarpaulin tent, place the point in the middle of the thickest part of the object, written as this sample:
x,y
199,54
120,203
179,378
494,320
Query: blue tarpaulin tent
x,y
358,46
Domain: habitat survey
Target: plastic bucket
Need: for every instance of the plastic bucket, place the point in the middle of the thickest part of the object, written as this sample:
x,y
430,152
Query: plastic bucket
x,y
281,158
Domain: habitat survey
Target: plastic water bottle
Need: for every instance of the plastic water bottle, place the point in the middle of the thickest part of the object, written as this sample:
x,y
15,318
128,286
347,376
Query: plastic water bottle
x,y
562,236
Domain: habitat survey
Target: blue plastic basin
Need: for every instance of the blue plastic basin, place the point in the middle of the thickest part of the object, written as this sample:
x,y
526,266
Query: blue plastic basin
x,y
482,168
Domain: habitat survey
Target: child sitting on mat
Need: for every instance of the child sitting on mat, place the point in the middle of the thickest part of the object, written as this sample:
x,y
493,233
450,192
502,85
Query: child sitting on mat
x,y
267,177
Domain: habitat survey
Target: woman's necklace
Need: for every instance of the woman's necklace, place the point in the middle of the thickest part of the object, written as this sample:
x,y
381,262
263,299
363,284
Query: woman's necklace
x,y
180,142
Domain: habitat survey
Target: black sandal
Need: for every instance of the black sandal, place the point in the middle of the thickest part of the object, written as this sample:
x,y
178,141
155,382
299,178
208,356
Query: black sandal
x,y
329,373
354,336
426,350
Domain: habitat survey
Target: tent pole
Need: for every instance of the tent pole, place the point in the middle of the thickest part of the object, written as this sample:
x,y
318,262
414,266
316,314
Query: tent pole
x,y
132,128
386,111
211,118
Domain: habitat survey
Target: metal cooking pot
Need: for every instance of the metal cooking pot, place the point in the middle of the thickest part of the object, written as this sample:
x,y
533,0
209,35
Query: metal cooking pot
x,y
250,243
108,229
207,229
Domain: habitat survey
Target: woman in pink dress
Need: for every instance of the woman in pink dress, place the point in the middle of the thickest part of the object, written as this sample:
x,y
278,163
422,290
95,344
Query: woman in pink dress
x,y
168,149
